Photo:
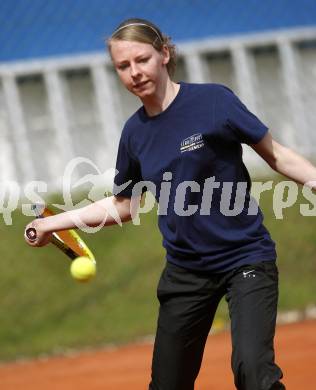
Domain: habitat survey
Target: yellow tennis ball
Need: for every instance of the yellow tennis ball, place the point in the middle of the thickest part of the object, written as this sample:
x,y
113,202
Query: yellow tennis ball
x,y
83,269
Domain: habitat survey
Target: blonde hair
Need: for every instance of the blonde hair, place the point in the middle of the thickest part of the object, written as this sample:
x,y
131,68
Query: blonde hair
x,y
141,30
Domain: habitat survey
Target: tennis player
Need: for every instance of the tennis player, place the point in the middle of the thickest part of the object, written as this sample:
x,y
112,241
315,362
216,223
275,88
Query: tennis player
x,y
189,136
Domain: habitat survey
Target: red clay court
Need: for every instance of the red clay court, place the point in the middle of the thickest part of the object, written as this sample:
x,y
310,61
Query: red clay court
x,y
129,367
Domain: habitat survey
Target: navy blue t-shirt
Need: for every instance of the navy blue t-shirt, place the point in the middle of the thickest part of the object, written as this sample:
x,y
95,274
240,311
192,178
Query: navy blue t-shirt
x,y
192,156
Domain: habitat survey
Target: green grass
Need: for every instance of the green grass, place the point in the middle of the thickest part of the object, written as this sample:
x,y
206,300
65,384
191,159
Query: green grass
x,y
44,311
296,248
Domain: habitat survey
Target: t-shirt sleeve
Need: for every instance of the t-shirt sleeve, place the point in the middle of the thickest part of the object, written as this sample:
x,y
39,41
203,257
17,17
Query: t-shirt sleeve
x,y
246,127
128,172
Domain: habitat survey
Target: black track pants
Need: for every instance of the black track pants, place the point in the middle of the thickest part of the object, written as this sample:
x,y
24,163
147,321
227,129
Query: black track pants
x,y
188,302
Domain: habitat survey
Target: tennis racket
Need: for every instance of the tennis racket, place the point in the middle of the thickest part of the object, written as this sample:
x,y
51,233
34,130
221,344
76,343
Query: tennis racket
x,y
68,241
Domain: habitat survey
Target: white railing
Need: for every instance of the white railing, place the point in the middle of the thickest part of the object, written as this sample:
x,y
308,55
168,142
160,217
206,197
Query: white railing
x,y
109,100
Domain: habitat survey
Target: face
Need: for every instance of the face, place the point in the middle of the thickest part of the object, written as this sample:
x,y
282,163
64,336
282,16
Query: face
x,y
140,66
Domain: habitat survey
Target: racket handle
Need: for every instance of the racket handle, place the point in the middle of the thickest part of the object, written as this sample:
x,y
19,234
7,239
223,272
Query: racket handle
x,y
31,234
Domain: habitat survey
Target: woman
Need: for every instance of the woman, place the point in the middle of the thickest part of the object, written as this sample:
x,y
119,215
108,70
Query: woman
x,y
186,141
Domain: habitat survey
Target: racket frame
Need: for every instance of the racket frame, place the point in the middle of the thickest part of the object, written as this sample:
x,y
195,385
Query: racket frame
x,y
59,238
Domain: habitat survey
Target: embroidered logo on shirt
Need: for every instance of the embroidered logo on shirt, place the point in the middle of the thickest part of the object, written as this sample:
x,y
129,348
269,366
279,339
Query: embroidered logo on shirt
x,y
249,274
193,142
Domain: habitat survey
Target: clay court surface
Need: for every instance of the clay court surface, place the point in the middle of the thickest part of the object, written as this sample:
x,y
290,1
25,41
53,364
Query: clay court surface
x,y
129,367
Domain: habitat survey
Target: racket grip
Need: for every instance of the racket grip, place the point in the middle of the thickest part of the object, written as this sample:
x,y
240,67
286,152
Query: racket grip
x,y
31,234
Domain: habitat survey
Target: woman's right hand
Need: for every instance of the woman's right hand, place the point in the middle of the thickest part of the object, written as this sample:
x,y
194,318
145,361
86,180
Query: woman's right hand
x,y
41,237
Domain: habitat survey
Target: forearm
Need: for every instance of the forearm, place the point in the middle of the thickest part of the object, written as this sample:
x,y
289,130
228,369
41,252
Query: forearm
x,y
104,212
295,167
